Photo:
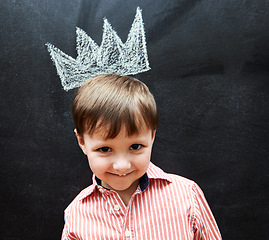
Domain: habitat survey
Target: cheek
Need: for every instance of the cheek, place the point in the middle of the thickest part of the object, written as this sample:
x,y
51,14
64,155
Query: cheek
x,y
143,160
97,164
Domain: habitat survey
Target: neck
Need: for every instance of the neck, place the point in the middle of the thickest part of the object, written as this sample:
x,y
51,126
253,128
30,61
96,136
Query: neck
x,y
127,194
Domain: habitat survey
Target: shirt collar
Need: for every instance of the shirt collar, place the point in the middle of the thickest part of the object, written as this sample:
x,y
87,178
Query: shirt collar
x,y
153,172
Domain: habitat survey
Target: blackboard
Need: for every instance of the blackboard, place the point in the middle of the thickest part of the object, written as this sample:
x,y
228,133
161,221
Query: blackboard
x,y
209,74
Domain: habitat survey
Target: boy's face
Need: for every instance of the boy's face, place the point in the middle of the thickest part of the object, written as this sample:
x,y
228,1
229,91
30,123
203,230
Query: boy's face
x,y
121,161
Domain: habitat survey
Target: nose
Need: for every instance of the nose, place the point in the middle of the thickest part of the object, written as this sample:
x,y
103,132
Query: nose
x,y
122,164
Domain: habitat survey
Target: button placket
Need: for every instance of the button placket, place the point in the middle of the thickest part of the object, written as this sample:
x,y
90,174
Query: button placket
x,y
127,233
116,207
128,219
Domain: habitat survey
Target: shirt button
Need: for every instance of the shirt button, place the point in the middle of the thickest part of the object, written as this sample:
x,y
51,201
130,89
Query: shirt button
x,y
127,233
116,207
102,190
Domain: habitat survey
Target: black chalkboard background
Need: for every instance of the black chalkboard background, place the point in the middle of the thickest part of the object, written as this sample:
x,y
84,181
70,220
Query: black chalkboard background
x,y
210,77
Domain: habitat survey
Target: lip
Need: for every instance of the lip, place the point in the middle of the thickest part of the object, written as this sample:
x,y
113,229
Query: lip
x,y
121,175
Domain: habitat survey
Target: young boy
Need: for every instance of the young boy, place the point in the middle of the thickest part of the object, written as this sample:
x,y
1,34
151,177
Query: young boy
x,y
116,118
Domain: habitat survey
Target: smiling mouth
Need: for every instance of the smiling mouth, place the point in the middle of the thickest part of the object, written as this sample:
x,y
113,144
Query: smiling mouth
x,y
121,175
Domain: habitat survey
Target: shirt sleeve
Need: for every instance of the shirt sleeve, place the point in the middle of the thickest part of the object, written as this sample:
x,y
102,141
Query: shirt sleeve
x,y
66,235
204,224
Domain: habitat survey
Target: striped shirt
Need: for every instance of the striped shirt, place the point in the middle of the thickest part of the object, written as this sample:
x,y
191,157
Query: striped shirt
x,y
164,206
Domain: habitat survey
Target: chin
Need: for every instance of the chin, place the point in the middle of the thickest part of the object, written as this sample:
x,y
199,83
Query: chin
x,y
121,188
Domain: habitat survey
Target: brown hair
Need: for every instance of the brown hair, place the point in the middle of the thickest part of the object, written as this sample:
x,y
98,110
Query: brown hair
x,y
112,102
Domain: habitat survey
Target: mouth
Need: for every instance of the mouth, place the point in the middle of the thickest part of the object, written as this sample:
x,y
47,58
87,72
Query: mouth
x,y
121,175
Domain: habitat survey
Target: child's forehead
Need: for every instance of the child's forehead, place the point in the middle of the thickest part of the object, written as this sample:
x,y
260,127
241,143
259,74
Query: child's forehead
x,y
102,132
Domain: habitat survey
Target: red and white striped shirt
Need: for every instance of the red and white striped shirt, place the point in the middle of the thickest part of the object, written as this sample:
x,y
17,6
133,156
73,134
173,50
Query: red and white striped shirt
x,y
164,206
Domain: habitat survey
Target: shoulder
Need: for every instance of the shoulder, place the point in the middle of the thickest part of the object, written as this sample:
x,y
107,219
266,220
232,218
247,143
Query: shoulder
x,y
155,172
180,183
186,188
176,177
176,183
180,192
78,200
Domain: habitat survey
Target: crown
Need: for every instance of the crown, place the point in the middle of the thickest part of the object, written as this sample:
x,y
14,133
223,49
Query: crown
x,y
113,56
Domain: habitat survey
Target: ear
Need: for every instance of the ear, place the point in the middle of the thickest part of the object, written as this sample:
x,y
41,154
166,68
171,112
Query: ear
x,y
153,136
81,142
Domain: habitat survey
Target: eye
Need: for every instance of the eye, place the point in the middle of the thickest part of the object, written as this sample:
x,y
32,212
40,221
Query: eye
x,y
135,146
104,149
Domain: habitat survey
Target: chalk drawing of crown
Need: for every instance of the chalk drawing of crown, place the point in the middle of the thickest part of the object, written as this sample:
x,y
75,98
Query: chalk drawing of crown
x,y
113,56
